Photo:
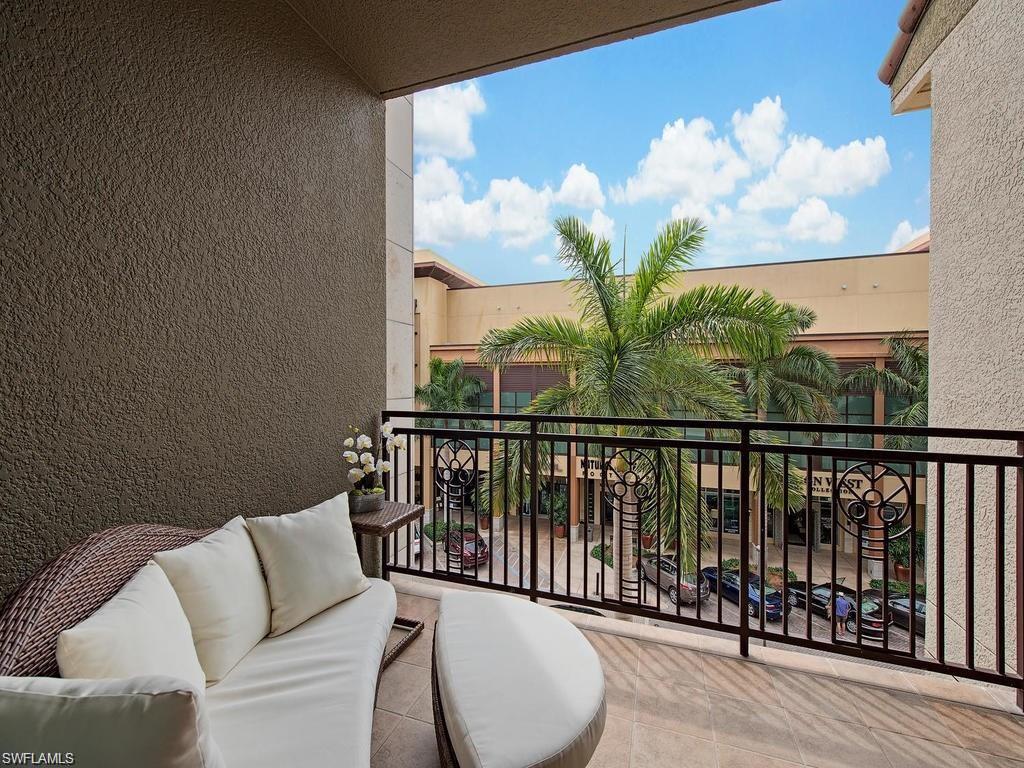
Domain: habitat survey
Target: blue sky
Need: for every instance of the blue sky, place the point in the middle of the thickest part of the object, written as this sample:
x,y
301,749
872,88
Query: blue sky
x,y
769,124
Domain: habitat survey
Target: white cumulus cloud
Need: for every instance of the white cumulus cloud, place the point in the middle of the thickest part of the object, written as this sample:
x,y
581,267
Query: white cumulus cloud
x,y
686,161
902,235
759,132
434,179
450,219
521,212
542,260
602,225
814,221
767,246
808,167
710,215
581,188
443,120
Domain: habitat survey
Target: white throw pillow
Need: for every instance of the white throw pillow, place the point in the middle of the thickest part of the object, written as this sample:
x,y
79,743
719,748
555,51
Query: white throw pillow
x,y
157,722
221,588
140,631
310,559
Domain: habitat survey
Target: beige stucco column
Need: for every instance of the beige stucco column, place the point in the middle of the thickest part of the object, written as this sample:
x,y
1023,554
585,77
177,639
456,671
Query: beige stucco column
x,y
972,77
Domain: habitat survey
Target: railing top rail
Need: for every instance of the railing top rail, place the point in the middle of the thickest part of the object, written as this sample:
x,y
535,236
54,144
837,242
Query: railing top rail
x,y
794,449
1009,435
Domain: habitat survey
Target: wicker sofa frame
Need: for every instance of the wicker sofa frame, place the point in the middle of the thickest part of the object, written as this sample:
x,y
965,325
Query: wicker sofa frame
x,y
445,750
73,585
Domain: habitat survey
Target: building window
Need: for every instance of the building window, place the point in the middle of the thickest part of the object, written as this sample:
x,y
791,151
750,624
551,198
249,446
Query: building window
x,y
852,408
730,511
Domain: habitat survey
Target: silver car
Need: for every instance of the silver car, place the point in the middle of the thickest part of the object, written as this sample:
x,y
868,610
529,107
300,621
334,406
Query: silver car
x,y
663,571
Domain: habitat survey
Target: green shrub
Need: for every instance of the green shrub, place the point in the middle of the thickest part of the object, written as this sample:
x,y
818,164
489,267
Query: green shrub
x,y
899,587
436,530
599,550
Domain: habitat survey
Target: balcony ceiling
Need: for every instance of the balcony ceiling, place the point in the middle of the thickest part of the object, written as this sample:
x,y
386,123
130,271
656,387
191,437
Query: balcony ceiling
x,y
402,46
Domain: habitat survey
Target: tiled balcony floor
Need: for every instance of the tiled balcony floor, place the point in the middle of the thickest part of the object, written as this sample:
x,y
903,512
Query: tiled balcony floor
x,y
679,699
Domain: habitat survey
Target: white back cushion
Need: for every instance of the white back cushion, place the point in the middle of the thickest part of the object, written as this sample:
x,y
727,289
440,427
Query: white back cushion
x,y
222,591
157,722
310,559
142,630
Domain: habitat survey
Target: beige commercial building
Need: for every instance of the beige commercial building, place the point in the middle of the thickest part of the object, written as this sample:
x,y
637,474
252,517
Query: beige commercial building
x,y
858,301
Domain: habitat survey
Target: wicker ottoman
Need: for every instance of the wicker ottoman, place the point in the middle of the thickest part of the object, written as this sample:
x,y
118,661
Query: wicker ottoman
x,y
515,685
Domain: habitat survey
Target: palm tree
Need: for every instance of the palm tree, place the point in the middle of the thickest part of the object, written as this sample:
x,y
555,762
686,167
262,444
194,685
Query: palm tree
x,y
449,388
637,351
801,382
907,380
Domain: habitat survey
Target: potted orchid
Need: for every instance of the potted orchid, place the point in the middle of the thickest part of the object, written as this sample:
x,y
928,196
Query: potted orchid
x,y
369,466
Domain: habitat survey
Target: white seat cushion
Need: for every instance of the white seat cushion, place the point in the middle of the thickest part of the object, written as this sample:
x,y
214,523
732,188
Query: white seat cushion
x,y
157,722
311,561
306,698
140,631
520,686
221,588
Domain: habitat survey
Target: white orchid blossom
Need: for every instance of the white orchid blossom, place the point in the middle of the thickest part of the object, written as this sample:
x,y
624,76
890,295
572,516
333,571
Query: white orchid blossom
x,y
386,429
350,457
355,475
363,442
390,444
366,458
383,466
349,442
400,442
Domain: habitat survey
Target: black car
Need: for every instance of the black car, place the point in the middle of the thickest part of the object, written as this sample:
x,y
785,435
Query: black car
x,y
821,596
731,588
899,611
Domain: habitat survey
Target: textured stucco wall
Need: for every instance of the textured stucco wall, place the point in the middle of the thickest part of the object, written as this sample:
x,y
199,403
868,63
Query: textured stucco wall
x,y
977,278
193,266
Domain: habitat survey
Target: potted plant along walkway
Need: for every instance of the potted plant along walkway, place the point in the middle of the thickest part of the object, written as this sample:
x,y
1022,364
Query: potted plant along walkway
x,y
559,513
366,473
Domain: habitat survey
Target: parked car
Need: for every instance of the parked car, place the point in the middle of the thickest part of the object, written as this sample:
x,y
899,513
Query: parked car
x,y
730,589
821,595
664,571
899,611
467,547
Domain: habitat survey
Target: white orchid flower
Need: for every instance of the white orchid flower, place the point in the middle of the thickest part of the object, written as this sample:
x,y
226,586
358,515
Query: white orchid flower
x,y
349,442
368,469
386,429
390,444
383,466
400,442
350,457
366,458
355,475
363,442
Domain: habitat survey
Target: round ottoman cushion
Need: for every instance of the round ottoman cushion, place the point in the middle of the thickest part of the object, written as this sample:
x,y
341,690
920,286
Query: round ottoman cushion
x,y
520,686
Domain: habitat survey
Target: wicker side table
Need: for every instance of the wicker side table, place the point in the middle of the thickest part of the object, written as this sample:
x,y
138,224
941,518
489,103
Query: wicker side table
x,y
380,524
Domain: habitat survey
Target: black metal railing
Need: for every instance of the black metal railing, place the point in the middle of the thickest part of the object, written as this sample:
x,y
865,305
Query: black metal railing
x,y
739,532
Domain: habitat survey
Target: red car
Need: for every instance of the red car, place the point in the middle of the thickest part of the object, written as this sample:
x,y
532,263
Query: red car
x,y
468,547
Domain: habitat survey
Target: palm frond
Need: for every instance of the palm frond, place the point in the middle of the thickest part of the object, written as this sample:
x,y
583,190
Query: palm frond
x,y
672,251
555,340
728,321
589,262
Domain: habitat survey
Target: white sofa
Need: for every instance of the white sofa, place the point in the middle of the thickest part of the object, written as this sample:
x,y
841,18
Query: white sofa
x,y
294,691
305,698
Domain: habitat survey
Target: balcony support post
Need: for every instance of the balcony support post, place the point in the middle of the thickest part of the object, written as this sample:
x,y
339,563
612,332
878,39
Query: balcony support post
x,y
745,543
1018,554
534,506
